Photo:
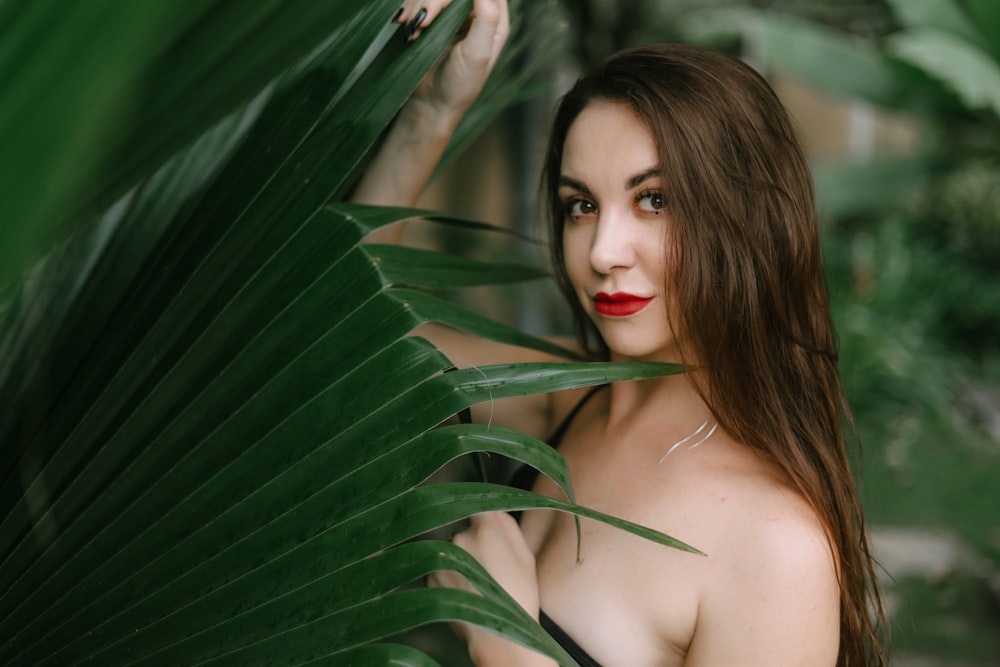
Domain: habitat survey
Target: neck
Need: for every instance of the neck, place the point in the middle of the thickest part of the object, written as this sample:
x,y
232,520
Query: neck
x,y
673,399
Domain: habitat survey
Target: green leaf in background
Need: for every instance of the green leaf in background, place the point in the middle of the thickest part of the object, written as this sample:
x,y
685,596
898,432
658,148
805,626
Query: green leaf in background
x,y
986,15
943,15
845,188
820,56
968,70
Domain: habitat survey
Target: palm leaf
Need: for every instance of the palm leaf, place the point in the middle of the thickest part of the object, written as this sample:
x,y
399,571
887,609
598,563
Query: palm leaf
x,y
157,73
219,428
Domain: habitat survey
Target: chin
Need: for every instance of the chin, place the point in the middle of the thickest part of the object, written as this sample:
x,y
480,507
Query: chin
x,y
631,351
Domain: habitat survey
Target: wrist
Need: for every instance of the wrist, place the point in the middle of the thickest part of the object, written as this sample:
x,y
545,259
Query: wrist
x,y
423,122
405,161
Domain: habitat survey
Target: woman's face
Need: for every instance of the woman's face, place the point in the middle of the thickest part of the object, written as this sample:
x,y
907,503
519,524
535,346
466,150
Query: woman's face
x,y
616,228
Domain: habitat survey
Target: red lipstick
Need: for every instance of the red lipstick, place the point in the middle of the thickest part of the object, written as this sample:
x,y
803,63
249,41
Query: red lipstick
x,y
619,304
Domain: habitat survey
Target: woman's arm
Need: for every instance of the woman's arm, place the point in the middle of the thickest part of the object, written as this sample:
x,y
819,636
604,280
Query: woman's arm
x,y
495,540
405,162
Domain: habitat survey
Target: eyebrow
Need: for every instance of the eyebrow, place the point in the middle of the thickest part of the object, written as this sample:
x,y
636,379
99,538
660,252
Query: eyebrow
x,y
633,182
566,181
636,180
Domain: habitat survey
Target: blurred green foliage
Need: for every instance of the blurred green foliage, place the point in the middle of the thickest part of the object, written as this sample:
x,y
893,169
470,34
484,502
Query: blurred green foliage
x,y
945,617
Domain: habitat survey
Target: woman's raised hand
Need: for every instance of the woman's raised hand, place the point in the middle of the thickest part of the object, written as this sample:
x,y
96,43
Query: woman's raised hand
x,y
452,85
407,159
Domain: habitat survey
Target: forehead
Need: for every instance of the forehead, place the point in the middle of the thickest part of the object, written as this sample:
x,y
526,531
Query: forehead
x,y
608,139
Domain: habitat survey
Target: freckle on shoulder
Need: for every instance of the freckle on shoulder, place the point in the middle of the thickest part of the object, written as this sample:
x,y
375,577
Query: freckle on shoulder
x,y
766,507
791,541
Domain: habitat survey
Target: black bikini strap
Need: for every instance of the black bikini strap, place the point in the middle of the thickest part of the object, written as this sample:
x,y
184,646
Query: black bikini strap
x,y
524,476
575,650
556,438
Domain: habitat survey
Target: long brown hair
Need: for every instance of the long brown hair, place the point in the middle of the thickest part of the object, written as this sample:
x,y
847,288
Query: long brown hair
x,y
749,279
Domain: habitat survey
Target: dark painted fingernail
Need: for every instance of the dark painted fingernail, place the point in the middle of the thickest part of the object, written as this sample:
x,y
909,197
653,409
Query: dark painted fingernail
x,y
395,17
412,26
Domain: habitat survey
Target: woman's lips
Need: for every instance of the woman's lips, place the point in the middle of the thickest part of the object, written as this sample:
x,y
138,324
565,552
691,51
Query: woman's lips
x,y
619,304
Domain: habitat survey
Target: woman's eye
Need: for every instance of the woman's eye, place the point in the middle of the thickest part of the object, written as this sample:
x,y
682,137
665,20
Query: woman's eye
x,y
652,202
578,208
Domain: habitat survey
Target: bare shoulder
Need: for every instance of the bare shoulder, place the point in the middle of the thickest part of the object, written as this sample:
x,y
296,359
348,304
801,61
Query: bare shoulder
x,y
774,526
770,594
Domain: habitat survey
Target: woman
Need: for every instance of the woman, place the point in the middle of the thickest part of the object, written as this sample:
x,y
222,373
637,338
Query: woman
x,y
683,230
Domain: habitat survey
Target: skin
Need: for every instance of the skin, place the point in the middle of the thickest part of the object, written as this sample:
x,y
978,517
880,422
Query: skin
x,y
766,593
617,228
402,169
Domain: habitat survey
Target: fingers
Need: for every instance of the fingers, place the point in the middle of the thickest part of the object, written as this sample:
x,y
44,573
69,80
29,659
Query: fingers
x,y
448,579
488,33
490,531
483,535
493,529
495,541
503,520
416,15
501,33
491,19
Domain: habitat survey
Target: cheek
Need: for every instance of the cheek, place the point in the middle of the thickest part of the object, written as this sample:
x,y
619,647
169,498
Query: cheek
x,y
576,254
657,255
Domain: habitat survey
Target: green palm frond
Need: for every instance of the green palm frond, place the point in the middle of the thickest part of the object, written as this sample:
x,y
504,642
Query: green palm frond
x,y
216,428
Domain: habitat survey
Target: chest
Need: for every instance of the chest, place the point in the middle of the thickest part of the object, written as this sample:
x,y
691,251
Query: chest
x,y
626,600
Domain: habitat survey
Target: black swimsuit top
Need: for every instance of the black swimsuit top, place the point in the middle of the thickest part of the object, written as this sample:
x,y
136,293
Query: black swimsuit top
x,y
524,478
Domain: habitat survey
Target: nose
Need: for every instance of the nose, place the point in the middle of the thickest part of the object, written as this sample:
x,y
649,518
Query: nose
x,y
613,245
